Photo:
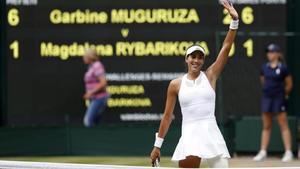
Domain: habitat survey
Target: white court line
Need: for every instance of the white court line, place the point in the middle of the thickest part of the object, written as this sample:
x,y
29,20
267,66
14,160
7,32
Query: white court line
x,y
47,165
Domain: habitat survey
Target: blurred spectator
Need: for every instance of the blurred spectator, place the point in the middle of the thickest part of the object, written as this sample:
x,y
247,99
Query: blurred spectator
x,y
95,85
276,86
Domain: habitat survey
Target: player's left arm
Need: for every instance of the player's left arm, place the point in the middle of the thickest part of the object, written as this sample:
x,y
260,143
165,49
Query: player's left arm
x,y
214,71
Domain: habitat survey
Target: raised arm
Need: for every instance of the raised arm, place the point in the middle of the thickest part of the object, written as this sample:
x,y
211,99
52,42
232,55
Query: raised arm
x,y
167,116
217,67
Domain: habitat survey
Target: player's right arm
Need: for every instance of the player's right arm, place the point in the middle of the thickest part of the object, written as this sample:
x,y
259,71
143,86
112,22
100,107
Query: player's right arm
x,y
169,108
168,114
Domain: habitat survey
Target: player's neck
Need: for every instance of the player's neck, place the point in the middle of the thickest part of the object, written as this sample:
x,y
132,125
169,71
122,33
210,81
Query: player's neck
x,y
193,75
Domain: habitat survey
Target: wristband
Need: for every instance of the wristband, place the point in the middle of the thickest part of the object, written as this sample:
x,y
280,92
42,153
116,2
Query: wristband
x,y
158,141
234,24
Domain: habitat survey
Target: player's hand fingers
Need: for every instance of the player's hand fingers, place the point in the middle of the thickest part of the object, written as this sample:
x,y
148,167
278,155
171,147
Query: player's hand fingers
x,y
153,162
154,155
229,7
156,162
226,4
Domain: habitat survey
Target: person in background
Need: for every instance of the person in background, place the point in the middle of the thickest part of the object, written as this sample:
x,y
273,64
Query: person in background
x,y
276,86
95,85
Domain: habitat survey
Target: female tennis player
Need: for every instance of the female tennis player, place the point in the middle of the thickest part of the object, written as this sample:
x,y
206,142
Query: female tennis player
x,y
201,137
277,83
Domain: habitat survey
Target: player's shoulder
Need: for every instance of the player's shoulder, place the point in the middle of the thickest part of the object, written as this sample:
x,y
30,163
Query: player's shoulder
x,y
175,83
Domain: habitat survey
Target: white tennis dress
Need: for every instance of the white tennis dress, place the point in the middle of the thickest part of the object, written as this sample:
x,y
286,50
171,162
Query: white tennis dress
x,y
200,133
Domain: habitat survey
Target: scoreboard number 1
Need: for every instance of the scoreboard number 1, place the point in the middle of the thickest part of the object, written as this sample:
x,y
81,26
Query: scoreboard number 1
x,y
13,17
248,45
14,46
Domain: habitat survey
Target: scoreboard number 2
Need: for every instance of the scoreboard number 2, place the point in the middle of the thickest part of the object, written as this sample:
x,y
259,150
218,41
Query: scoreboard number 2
x,y
13,17
227,17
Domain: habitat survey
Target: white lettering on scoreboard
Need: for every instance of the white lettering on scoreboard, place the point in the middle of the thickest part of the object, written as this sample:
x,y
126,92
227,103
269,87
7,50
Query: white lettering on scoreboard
x,y
143,76
258,2
22,2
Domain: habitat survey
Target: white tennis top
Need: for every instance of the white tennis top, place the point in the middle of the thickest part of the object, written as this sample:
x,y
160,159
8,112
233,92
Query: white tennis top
x,y
196,98
200,135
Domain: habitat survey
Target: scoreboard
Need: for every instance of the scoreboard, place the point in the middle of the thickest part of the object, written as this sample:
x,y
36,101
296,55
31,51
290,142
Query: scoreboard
x,y
142,45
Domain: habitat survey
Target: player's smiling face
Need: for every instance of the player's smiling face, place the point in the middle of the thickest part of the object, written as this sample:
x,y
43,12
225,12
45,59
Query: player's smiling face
x,y
195,61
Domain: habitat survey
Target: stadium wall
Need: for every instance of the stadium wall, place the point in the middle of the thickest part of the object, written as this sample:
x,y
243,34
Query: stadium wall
x,y
293,59
296,62
125,140
248,135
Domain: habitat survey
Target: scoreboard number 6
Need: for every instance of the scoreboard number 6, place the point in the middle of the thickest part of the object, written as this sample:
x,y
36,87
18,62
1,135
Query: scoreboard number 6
x,y
247,16
13,17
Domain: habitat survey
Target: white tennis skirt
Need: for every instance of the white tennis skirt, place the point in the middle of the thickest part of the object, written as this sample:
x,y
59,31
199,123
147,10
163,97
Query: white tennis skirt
x,y
201,138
